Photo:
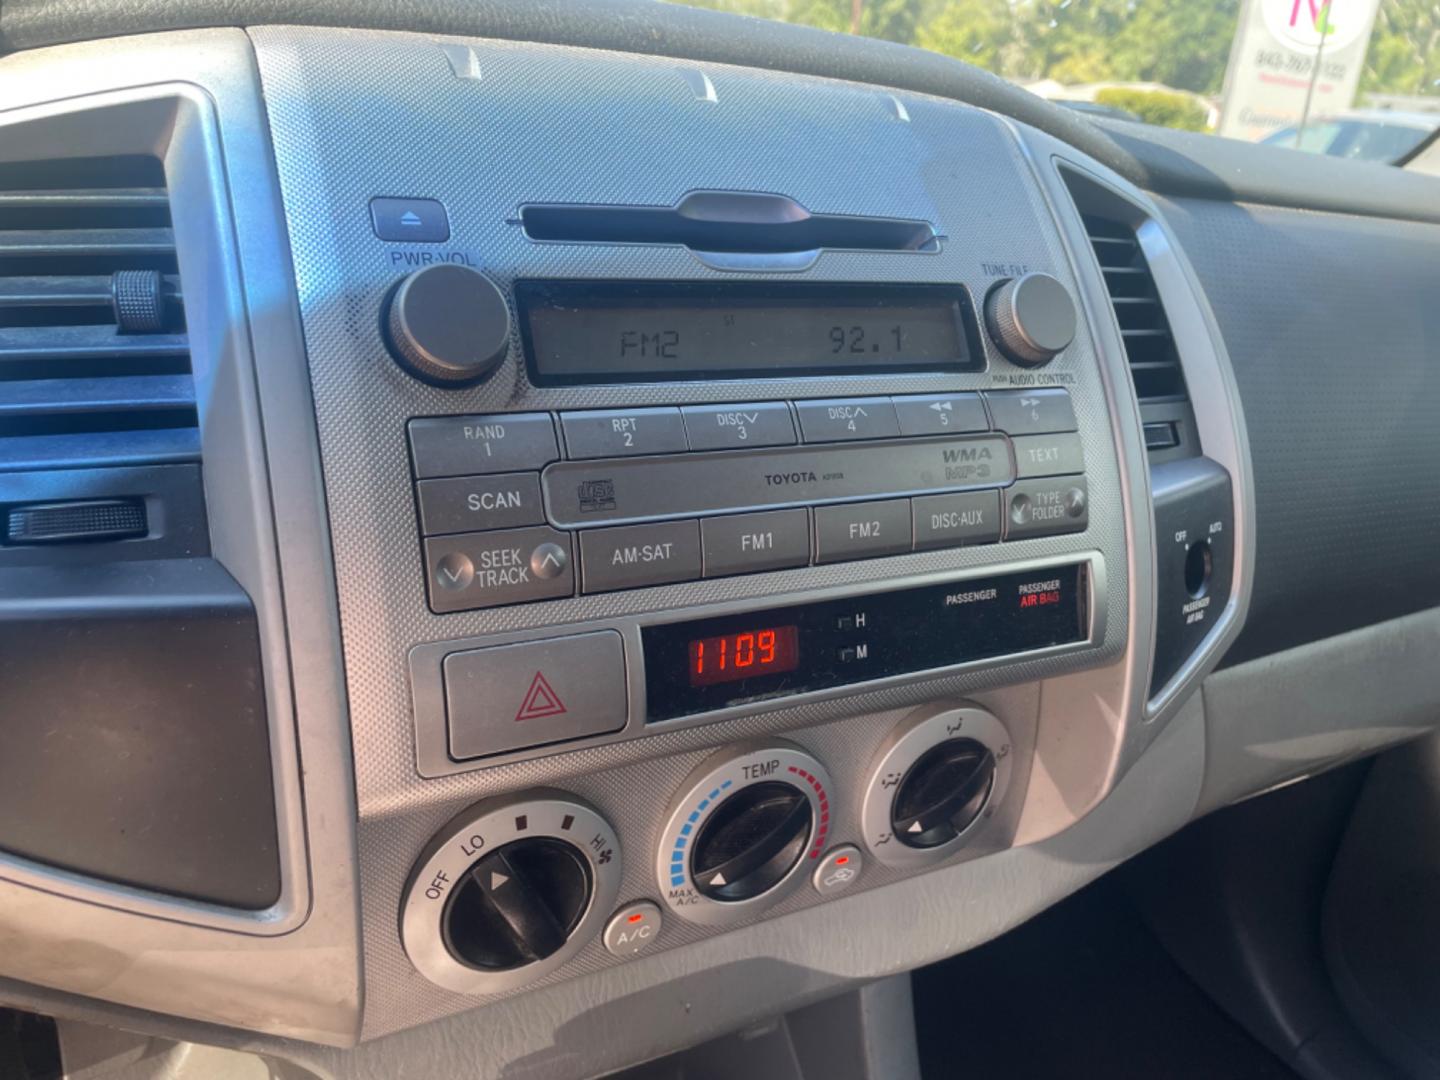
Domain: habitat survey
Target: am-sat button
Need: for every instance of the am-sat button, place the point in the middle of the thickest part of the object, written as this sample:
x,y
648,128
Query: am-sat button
x,y
640,555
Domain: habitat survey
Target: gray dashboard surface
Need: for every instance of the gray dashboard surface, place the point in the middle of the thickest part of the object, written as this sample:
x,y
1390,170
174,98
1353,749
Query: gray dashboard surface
x,y
1164,162
1332,329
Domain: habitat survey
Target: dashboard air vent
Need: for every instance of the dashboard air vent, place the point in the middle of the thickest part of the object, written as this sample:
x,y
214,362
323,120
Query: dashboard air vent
x,y
94,358
1149,346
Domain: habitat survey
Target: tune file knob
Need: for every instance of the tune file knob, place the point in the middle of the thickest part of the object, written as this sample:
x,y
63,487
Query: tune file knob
x,y
1031,318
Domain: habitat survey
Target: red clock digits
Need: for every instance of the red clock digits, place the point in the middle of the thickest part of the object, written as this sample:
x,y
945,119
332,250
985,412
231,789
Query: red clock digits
x,y
742,655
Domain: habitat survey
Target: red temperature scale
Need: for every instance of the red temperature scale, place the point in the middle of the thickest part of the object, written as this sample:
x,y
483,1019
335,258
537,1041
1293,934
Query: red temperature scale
x,y
707,664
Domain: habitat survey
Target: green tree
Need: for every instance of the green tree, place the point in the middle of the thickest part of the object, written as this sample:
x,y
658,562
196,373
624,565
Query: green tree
x,y
1404,55
980,32
1156,107
1184,45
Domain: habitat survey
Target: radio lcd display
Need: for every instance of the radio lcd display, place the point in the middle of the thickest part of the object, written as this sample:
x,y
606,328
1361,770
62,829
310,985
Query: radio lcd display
x,y
579,332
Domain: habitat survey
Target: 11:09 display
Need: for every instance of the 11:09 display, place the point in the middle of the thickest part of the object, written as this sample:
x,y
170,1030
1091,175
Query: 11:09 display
x,y
742,655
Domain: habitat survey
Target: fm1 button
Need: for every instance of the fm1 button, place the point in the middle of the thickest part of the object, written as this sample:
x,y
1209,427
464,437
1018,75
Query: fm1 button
x,y
633,929
838,870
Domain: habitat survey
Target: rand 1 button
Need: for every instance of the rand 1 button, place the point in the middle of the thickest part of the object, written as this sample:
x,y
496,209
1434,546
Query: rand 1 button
x,y
508,697
940,414
751,543
473,503
489,569
623,432
474,445
738,427
1031,412
862,530
846,419
1046,507
1048,455
968,517
638,555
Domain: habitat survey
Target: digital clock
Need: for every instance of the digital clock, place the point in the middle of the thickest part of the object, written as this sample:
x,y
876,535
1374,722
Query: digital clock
x,y
743,655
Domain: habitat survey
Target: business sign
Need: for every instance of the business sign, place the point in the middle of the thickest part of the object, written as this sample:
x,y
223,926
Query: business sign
x,y
1273,62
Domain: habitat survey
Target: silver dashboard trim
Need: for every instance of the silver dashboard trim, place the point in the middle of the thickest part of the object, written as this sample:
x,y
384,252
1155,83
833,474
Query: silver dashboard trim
x,y
432,757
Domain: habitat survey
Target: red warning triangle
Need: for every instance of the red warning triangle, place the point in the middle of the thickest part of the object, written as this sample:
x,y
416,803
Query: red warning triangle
x,y
540,700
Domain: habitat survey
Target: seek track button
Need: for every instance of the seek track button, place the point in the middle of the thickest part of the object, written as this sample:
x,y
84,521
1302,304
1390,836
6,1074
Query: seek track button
x,y
509,566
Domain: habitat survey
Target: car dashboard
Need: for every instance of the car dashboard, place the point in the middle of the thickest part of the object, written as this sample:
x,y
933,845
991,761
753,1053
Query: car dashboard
x,y
580,548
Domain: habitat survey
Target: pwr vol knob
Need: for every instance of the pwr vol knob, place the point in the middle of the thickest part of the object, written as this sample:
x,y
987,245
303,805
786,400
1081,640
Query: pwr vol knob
x,y
743,831
448,325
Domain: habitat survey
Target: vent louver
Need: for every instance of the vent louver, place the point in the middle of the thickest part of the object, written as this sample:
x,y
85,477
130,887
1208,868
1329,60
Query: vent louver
x,y
1149,347
94,358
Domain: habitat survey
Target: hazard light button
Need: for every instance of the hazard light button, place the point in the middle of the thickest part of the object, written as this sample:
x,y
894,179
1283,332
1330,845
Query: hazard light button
x,y
513,697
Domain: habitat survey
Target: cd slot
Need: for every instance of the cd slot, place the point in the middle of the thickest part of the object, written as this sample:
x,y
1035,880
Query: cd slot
x,y
725,221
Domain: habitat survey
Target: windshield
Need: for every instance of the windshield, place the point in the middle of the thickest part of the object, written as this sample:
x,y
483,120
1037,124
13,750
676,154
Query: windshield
x,y
1322,76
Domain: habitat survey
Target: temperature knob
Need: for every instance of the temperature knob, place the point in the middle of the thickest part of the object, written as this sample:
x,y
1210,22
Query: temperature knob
x,y
746,825
448,325
1031,318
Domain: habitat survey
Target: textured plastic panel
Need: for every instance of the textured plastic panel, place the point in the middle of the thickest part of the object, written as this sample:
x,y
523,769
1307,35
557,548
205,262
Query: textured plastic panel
x,y
357,114
1164,161
134,729
1338,368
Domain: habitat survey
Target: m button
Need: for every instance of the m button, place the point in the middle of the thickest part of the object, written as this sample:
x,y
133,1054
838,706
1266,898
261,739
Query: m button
x,y
510,697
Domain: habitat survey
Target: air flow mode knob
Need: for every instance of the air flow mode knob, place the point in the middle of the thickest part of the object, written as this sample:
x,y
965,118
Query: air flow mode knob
x,y
943,793
1031,318
448,325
